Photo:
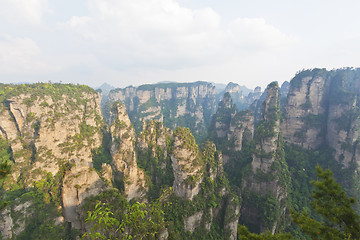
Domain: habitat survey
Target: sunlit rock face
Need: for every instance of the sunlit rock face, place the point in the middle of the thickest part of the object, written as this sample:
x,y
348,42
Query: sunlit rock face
x,y
124,155
52,130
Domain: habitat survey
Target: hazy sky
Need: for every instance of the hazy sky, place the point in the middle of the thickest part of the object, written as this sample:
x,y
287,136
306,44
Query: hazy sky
x,y
132,42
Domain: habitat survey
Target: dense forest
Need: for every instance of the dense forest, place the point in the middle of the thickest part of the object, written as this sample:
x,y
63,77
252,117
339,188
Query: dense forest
x,y
182,161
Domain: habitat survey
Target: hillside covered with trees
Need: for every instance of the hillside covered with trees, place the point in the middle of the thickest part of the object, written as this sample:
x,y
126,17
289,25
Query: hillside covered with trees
x,y
178,161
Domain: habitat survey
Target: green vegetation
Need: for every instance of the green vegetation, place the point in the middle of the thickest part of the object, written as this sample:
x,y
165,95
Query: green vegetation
x,y
296,82
80,140
40,207
57,91
168,109
186,138
326,214
176,209
5,158
5,165
102,154
155,159
244,234
301,164
226,114
339,220
128,221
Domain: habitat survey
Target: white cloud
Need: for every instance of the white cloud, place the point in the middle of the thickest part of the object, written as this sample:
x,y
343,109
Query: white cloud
x,y
22,56
23,11
254,34
162,34
76,22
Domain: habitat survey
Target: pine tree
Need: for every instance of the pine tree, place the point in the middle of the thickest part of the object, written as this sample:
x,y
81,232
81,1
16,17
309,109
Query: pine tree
x,y
338,220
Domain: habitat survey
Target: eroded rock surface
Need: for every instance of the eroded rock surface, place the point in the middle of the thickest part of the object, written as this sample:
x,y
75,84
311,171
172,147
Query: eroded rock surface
x,y
124,155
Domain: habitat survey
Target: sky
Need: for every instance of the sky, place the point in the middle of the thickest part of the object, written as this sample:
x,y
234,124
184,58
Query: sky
x,y
134,42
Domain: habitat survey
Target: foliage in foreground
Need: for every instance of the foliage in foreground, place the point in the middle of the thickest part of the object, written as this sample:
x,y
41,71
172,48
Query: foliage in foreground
x,y
244,234
338,218
136,221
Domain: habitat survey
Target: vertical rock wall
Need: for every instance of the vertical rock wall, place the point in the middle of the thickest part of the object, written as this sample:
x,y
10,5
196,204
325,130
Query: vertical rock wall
x,y
266,181
124,155
49,126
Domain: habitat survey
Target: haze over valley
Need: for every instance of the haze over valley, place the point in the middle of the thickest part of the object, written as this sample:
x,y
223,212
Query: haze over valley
x,y
179,119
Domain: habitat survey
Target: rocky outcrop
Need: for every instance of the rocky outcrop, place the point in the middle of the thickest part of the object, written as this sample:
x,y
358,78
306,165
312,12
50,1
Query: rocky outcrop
x,y
322,108
194,221
306,108
48,126
222,119
241,96
154,146
268,168
6,224
205,175
79,183
124,155
232,212
343,119
241,129
175,104
53,130
14,218
186,164
154,137
230,129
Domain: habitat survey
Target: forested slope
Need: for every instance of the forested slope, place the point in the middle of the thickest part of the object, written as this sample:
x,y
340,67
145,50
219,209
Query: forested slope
x,y
251,167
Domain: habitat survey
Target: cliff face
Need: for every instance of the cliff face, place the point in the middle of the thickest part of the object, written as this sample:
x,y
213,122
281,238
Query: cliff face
x,y
48,127
222,119
124,155
155,137
241,129
175,104
306,109
203,183
266,180
186,164
154,148
241,96
51,128
322,108
175,163
53,133
231,129
79,183
343,120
